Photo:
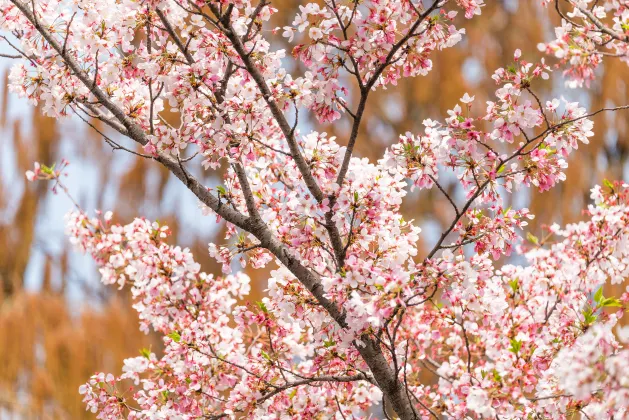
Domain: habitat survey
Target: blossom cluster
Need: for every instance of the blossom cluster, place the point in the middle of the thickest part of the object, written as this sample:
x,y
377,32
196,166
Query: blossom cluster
x,y
503,340
212,346
589,31
498,327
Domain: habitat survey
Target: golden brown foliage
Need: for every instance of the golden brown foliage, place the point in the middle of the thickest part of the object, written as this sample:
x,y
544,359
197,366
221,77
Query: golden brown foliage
x,y
47,352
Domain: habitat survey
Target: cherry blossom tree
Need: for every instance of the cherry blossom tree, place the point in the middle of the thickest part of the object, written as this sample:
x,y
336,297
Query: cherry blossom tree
x,y
354,316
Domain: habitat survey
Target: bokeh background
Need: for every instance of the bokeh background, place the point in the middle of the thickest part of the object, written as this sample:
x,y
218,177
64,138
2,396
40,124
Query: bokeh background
x,y
58,324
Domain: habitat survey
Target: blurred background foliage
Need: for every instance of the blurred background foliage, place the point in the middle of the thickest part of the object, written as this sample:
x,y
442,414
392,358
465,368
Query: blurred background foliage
x,y
58,325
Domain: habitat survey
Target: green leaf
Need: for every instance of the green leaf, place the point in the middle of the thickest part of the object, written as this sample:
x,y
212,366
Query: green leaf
x,y
588,316
598,296
611,302
602,301
45,169
514,284
516,345
221,190
355,197
175,336
532,238
146,353
329,343
293,393
501,169
608,184
265,355
262,307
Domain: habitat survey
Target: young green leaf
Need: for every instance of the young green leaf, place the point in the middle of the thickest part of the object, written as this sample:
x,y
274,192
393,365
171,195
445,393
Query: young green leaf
x,y
532,238
598,296
516,345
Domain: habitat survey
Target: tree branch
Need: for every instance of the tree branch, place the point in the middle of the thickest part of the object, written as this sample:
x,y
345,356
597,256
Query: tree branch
x,y
308,381
174,36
